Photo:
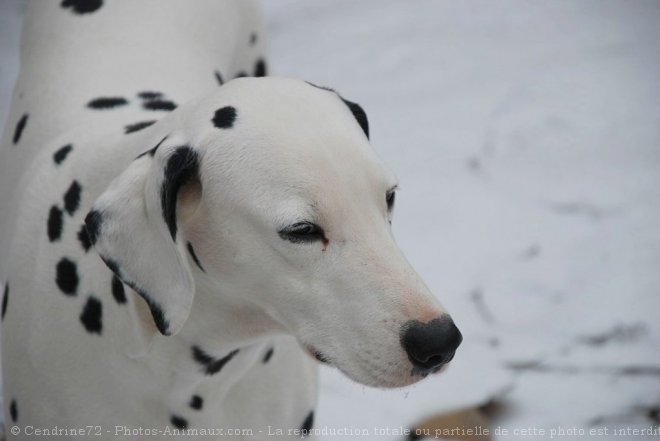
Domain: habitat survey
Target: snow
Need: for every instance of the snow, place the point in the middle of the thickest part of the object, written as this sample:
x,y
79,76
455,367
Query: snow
x,y
526,137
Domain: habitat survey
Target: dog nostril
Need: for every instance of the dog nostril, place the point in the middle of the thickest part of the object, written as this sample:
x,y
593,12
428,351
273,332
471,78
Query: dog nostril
x,y
431,344
437,360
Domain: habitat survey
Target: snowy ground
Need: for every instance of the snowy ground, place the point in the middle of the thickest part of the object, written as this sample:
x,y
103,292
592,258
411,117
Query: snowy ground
x,y
526,136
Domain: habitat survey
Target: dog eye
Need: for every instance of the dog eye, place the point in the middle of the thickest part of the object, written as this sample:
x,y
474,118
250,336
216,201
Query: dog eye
x,y
302,232
389,199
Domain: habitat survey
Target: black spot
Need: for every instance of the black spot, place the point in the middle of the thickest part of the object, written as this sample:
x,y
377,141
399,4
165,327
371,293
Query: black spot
x,y
269,354
91,315
415,435
13,411
5,299
107,103
181,166
67,276
82,6
359,115
159,104
179,422
260,68
55,223
253,38
196,402
194,257
201,357
218,77
162,324
20,126
118,290
72,198
93,222
137,126
83,238
60,155
224,117
241,74
211,365
150,95
308,424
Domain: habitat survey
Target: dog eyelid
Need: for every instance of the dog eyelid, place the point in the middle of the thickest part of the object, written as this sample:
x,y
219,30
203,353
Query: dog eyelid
x,y
302,232
390,195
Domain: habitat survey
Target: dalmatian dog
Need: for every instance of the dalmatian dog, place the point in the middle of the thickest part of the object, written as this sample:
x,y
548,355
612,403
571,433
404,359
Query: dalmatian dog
x,y
180,251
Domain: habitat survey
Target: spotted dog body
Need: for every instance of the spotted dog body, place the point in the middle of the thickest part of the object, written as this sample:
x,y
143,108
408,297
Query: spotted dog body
x,y
177,252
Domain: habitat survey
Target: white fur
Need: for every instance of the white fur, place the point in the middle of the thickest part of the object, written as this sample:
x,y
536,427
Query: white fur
x,y
295,153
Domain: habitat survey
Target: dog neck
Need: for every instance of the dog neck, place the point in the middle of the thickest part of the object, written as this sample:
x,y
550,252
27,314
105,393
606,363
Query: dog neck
x,y
221,340
225,322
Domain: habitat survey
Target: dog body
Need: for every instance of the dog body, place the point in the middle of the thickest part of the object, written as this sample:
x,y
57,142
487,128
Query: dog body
x,y
174,269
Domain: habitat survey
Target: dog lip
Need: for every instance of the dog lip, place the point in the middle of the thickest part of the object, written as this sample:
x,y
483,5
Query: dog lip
x,y
317,354
320,357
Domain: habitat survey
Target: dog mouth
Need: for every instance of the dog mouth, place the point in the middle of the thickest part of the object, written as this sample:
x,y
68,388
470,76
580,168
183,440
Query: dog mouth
x,y
318,355
387,375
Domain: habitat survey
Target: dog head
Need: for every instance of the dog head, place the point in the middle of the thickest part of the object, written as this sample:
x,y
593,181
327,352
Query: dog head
x,y
268,194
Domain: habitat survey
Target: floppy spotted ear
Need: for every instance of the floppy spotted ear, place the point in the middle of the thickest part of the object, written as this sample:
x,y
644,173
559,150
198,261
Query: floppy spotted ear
x,y
133,226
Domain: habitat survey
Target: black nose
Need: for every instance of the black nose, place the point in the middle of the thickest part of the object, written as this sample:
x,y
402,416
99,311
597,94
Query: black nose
x,y
430,345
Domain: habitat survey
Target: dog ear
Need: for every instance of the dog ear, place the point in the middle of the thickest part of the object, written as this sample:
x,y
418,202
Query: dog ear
x,y
133,226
